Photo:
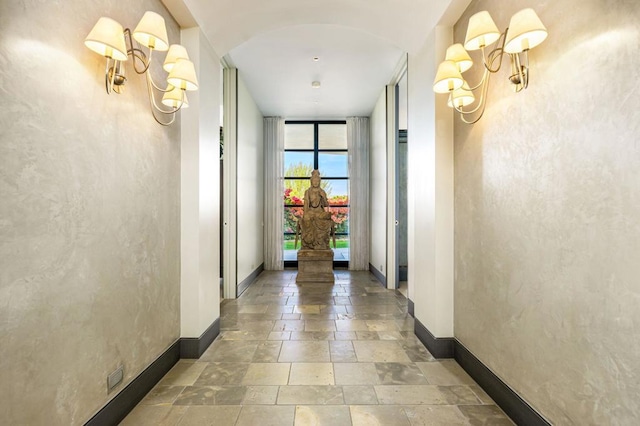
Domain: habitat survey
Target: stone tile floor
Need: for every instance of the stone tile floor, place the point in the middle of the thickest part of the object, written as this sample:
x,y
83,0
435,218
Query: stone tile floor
x,y
316,354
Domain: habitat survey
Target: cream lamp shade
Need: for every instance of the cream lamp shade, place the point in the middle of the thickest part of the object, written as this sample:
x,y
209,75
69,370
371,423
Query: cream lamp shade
x,y
152,32
175,52
183,75
461,97
481,31
526,31
107,39
457,54
175,98
448,78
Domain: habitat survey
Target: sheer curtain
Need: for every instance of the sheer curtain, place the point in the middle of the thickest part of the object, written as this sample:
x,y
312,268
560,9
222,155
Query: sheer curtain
x,y
358,145
273,193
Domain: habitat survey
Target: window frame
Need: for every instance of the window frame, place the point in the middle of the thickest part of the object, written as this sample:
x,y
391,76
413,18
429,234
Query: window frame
x,y
316,154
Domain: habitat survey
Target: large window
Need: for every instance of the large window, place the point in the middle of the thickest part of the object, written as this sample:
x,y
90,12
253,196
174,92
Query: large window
x,y
318,145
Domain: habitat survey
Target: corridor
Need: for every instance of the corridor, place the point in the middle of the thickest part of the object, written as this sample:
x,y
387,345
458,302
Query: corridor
x,y
316,354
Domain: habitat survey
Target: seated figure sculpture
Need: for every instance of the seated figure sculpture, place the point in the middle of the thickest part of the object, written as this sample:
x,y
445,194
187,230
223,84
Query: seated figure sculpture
x,y
316,226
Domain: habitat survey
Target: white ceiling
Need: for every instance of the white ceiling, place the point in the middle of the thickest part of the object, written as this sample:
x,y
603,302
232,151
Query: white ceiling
x,y
359,44
353,68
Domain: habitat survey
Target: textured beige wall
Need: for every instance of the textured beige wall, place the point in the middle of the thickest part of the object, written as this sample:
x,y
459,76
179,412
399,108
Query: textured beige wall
x,y
89,216
547,221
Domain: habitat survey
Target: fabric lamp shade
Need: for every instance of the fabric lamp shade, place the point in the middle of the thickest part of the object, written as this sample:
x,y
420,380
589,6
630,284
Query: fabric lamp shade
x,y
107,39
152,32
175,52
481,31
448,78
461,97
526,31
175,98
183,75
457,54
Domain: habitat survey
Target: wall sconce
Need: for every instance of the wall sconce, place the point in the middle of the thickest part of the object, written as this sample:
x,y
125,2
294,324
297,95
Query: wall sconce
x,y
525,32
110,40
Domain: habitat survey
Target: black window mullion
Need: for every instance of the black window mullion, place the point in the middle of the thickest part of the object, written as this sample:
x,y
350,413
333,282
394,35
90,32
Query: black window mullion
x,y
315,146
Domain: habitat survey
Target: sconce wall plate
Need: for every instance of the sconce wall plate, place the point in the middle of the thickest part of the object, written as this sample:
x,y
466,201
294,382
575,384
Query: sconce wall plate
x,y
525,32
109,39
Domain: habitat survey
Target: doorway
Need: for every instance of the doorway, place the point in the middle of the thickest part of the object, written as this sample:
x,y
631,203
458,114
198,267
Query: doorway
x,y
401,180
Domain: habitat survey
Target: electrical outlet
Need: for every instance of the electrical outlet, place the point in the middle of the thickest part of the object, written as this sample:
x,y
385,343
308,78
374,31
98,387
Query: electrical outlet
x,y
115,378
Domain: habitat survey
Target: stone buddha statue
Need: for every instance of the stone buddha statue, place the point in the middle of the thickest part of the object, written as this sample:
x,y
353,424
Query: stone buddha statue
x,y
316,226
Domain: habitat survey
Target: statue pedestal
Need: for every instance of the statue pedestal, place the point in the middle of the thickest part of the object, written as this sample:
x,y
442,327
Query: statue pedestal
x,y
315,266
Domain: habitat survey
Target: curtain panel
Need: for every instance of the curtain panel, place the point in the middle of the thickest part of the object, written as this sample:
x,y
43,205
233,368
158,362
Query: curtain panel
x,y
358,145
273,193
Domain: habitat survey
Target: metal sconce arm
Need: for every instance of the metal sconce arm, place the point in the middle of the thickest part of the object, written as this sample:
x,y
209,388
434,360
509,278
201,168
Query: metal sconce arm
x,y
525,32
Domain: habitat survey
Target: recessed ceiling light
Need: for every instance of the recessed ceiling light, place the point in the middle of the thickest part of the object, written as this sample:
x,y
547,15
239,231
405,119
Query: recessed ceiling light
x,y
316,59
315,84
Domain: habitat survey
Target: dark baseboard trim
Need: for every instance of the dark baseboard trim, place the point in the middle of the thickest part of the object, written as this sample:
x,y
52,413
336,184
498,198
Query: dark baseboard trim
x,y
411,307
506,398
440,347
509,401
247,281
194,347
379,276
118,408
126,400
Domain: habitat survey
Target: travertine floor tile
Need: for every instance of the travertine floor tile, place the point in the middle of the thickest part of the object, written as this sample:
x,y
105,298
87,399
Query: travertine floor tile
x,y
279,335
222,373
485,415
416,351
425,394
381,325
289,325
211,395
351,325
316,355
345,335
312,335
158,415
379,351
310,395
307,309
367,415
215,415
319,325
304,351
320,415
400,373
244,335
184,373
445,372
267,351
311,374
359,395
265,415
342,351
356,373
260,395
162,395
230,351
252,309
482,395
267,374
435,415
